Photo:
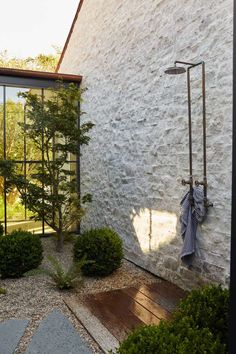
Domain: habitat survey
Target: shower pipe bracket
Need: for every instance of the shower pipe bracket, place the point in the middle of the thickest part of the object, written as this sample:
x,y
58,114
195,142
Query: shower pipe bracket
x,y
190,65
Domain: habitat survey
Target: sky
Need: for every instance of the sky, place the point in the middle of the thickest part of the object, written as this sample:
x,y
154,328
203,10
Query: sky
x,y
31,27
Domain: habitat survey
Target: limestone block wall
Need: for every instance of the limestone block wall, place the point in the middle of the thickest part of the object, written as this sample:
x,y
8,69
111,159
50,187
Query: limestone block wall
x,y
139,148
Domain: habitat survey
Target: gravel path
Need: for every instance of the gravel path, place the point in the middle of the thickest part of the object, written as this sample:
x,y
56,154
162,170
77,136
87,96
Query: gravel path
x,y
34,297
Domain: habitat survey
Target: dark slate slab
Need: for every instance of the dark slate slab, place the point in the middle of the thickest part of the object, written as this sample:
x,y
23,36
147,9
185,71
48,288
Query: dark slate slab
x,y
11,332
57,335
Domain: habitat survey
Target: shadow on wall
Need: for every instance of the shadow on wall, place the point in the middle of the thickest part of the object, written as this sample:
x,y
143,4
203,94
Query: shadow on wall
x,y
154,228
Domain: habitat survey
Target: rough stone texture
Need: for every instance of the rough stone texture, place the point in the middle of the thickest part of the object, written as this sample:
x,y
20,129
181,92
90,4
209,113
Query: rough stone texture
x,y
56,334
139,148
11,332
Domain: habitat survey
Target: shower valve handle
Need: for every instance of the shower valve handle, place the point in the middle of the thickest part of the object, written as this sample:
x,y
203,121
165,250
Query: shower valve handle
x,y
184,182
201,183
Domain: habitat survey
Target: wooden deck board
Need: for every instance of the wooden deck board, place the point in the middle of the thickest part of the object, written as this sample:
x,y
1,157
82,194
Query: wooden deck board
x,y
165,294
125,304
109,319
148,303
122,310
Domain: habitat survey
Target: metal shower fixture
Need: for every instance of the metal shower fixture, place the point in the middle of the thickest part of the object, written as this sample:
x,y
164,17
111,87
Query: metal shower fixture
x,y
176,70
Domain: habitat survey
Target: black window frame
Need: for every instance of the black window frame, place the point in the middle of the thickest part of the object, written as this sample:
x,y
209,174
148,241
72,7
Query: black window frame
x,y
34,80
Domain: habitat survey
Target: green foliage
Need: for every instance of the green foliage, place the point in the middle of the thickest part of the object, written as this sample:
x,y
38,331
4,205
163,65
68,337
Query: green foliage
x,y
20,251
200,325
14,151
42,62
50,192
2,291
64,279
101,246
207,307
1,229
171,338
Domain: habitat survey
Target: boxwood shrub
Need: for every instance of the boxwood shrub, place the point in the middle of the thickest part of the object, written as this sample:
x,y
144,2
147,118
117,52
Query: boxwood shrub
x,y
200,325
103,248
171,338
20,252
207,307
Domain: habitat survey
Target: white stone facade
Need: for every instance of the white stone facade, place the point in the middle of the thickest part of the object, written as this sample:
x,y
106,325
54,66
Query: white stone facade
x,y
139,148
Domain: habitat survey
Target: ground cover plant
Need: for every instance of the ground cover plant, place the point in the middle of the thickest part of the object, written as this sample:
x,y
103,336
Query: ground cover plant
x,y
63,278
200,325
103,248
20,252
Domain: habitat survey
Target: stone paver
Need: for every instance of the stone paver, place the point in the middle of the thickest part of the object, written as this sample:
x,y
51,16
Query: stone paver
x,y
56,335
11,332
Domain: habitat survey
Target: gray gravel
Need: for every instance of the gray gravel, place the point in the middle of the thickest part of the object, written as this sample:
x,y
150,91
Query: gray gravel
x,y
35,297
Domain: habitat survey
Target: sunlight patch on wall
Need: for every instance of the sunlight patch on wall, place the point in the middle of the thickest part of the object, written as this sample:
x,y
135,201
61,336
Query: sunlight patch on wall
x,y
154,228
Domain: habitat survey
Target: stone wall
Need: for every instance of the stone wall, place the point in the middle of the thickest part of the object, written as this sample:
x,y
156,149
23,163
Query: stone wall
x,y
139,148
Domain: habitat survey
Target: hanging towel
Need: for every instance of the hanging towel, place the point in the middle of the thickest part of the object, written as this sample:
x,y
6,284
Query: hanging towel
x,y
190,216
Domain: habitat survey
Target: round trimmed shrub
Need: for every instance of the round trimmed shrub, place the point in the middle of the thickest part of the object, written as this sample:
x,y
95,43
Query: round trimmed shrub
x,y
207,307
103,251
171,338
20,252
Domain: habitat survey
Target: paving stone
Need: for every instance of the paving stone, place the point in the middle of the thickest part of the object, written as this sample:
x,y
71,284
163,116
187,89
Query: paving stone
x,y
11,332
57,335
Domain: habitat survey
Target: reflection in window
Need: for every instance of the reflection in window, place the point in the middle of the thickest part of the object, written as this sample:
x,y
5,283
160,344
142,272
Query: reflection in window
x,y
25,154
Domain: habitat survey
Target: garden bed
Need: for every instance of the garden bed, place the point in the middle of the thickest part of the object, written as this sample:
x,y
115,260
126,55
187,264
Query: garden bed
x,y
34,297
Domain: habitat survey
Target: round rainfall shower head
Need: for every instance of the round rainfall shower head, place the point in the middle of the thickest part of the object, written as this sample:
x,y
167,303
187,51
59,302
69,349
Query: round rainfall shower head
x,y
175,70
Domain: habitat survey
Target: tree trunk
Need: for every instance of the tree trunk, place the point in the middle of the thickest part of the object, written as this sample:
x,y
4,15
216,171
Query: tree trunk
x,y
60,241
60,233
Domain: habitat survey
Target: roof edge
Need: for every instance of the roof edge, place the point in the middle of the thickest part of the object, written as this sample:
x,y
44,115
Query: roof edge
x,y
69,35
40,74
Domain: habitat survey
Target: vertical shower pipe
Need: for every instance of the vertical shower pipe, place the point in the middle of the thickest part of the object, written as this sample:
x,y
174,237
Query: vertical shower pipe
x,y
204,132
204,181
190,181
190,137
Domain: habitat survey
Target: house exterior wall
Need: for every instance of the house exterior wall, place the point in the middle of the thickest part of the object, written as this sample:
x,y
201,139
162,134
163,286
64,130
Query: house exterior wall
x,y
139,149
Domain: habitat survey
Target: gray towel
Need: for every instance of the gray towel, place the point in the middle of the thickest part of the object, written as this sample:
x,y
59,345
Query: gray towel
x,y
190,216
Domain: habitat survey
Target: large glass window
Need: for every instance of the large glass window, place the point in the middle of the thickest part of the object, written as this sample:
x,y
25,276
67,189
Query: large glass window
x,y
26,156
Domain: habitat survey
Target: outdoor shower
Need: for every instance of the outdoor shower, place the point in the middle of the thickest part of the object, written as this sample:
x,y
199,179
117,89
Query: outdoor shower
x,y
175,70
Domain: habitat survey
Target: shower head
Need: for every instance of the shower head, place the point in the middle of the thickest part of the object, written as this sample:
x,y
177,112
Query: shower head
x,y
175,70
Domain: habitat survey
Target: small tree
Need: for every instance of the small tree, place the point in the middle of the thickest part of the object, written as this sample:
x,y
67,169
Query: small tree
x,y
51,192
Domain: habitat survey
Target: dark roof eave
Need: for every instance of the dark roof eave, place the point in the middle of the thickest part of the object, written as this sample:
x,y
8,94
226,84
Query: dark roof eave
x,y
40,75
